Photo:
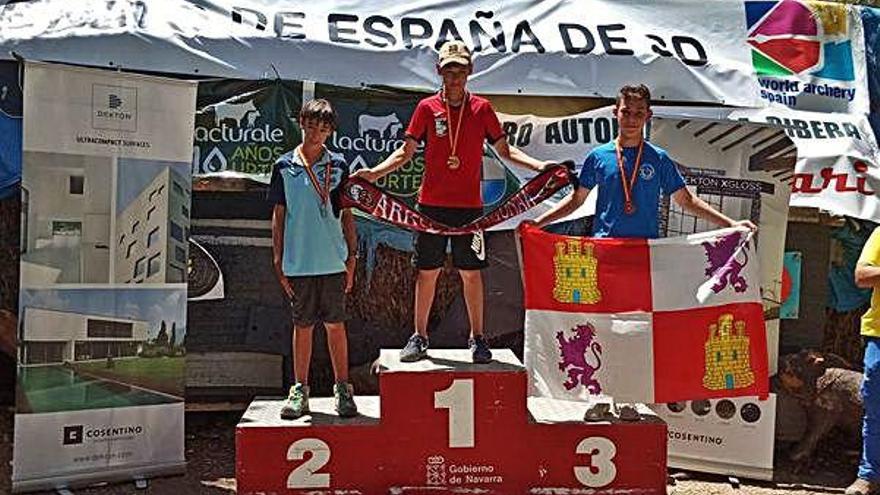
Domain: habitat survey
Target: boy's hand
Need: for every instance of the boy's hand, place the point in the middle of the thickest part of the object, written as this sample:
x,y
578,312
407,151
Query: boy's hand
x,y
350,266
288,289
745,223
367,174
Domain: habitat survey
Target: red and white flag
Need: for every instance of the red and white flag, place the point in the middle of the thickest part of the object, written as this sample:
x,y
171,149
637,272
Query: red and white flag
x,y
652,321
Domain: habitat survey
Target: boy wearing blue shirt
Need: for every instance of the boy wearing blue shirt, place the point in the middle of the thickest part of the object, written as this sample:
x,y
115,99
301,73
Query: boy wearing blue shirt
x,y
314,247
632,175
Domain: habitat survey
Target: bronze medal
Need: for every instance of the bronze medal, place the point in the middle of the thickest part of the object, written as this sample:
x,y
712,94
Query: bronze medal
x,y
629,206
453,162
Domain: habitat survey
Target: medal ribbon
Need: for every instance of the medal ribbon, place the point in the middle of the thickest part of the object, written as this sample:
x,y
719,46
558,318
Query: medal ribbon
x,y
323,194
628,184
453,141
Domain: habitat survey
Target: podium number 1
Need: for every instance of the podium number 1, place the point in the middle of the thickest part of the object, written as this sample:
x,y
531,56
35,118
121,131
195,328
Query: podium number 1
x,y
306,475
459,399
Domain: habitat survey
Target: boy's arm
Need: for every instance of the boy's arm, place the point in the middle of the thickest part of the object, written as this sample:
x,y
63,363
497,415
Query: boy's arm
x,y
519,156
696,206
565,207
278,213
867,273
394,161
350,232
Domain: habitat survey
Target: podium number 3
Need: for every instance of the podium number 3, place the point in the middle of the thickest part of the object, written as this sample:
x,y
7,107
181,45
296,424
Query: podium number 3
x,y
305,475
459,399
601,470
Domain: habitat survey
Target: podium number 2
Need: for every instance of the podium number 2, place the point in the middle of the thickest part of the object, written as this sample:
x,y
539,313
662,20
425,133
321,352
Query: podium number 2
x,y
459,399
601,471
305,475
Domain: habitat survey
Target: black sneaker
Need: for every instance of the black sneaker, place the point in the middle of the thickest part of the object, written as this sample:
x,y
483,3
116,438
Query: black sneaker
x,y
480,352
416,348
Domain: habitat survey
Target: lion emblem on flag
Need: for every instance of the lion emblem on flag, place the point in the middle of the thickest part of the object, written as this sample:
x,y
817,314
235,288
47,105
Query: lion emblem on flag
x,y
723,267
573,358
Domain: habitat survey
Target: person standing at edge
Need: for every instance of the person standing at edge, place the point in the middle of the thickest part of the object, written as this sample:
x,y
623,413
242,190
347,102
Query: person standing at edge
x,y
868,277
632,175
453,124
314,248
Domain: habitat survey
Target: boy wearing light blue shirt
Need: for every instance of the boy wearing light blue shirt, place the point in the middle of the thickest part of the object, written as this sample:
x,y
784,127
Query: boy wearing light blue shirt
x,y
314,246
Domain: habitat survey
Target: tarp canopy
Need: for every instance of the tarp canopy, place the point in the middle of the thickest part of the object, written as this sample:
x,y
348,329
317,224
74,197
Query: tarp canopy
x,y
786,56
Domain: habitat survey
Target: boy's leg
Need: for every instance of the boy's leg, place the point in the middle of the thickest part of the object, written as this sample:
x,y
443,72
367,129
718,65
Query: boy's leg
x,y
302,352
337,343
429,258
426,286
472,286
469,256
304,311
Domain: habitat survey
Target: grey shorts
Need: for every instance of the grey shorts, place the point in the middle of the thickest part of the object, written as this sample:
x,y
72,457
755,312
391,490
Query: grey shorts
x,y
318,298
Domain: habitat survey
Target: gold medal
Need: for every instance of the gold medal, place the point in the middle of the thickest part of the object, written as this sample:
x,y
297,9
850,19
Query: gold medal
x,y
453,162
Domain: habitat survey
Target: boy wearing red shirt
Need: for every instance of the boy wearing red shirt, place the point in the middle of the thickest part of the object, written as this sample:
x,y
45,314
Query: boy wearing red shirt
x,y
453,125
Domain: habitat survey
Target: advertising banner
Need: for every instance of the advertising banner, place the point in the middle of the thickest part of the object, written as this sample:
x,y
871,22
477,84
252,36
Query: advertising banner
x,y
802,54
105,218
242,127
730,436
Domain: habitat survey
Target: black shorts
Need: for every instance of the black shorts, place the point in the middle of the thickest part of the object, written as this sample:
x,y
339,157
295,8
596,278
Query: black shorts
x,y
318,298
468,251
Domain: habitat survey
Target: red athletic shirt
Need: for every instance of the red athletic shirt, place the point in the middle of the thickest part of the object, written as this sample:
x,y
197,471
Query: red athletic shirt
x,y
442,186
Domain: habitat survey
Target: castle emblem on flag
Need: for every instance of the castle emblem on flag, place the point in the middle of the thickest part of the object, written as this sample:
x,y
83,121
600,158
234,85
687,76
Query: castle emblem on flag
x,y
576,273
573,356
723,266
728,364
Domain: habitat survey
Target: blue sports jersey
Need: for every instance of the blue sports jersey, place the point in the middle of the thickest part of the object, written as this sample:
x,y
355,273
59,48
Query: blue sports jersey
x,y
658,176
313,240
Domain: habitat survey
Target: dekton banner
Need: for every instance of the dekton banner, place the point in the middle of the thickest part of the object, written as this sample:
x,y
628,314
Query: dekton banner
x,y
105,218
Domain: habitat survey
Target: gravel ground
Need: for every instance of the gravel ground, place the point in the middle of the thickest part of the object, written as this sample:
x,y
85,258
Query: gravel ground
x,y
210,451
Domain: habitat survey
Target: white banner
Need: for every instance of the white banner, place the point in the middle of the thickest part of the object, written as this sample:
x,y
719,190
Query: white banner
x,y
795,53
838,159
96,441
731,437
105,220
99,113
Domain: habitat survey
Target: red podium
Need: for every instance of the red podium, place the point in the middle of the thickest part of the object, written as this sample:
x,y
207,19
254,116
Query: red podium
x,y
445,425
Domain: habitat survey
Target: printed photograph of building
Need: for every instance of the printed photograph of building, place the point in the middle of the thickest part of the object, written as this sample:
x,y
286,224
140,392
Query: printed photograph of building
x,y
152,223
65,228
92,348
58,337
100,220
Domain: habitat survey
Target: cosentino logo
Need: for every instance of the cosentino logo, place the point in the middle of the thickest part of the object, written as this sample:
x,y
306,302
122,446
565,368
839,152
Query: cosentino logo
x,y
237,139
79,434
114,107
373,139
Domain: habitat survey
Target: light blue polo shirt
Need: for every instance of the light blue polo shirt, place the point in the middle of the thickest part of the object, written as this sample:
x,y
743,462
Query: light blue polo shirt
x,y
658,176
313,240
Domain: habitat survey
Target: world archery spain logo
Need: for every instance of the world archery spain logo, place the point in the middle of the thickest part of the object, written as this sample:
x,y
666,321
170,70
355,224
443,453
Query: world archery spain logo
x,y
800,37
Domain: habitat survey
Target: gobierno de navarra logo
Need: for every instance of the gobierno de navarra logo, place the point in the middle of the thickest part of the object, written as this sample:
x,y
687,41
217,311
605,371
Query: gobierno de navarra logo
x,y
800,37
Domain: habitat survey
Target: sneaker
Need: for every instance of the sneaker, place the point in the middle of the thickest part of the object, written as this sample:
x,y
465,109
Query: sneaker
x,y
598,411
480,352
343,392
628,412
863,487
297,403
416,348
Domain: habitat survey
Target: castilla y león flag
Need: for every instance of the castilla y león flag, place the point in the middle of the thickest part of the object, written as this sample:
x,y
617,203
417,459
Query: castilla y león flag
x,y
659,320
